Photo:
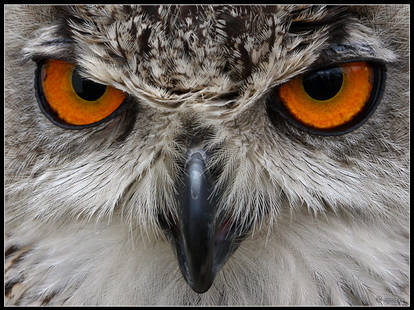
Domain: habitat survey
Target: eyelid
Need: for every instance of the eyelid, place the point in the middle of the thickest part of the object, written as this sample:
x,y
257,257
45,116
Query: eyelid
x,y
40,58
65,58
319,66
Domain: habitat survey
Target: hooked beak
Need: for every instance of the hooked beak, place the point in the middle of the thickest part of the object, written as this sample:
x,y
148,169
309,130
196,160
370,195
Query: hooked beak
x,y
203,241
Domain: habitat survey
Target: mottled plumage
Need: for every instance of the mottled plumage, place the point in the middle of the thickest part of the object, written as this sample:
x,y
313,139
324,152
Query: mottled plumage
x,y
327,215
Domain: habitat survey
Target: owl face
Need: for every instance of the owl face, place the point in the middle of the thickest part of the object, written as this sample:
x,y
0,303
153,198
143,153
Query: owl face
x,y
217,120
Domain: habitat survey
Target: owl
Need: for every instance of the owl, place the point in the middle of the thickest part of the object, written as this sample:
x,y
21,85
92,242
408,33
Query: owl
x,y
206,155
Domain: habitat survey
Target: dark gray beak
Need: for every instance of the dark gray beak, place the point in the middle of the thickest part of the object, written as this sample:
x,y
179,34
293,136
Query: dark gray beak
x,y
202,239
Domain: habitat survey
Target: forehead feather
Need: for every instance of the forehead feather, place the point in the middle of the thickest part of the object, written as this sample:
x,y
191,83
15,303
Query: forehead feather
x,y
179,52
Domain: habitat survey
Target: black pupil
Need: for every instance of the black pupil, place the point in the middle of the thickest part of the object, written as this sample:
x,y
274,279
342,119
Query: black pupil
x,y
87,89
323,84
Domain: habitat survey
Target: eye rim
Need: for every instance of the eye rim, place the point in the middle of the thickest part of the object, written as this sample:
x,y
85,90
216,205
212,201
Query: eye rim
x,y
52,115
275,106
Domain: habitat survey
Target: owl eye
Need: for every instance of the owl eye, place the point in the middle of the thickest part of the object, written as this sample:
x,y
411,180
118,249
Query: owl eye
x,y
333,100
71,101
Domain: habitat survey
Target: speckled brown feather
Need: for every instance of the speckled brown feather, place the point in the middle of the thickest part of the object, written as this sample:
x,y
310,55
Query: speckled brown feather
x,y
13,286
329,214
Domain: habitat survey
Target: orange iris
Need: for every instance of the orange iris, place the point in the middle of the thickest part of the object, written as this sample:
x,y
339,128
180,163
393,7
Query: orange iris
x,y
353,94
66,102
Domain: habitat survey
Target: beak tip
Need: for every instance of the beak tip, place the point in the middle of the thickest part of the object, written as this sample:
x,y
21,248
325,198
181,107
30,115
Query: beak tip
x,y
201,286
200,290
